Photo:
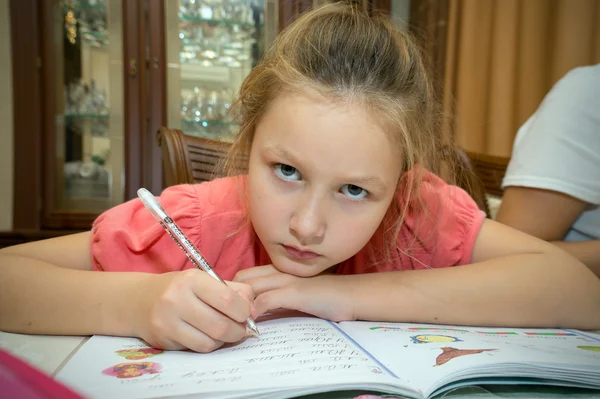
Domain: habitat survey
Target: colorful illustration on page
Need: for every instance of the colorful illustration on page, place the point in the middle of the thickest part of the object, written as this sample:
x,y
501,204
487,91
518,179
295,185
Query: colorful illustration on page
x,y
138,353
427,339
449,353
436,329
132,370
590,348
386,328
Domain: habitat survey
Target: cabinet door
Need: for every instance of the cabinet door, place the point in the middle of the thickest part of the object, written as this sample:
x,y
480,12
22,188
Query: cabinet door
x,y
211,46
84,109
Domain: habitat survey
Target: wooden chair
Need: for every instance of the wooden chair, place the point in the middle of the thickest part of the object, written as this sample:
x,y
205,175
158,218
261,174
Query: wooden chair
x,y
490,169
467,178
189,159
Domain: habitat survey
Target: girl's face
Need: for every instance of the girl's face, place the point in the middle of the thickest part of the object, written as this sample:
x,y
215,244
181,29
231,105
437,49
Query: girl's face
x,y
321,178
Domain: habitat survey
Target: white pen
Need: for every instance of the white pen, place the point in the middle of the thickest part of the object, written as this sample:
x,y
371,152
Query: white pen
x,y
190,250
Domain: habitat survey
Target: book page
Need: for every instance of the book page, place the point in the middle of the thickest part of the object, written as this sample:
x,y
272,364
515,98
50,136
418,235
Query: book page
x,y
432,355
291,354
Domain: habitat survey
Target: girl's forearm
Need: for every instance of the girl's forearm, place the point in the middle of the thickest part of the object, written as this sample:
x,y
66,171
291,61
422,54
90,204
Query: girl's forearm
x,y
40,298
586,251
533,290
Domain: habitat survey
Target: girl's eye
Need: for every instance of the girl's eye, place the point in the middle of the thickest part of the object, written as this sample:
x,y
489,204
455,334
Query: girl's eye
x,y
354,192
286,172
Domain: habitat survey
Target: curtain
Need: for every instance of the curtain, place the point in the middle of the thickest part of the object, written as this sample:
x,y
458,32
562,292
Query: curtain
x,y
503,56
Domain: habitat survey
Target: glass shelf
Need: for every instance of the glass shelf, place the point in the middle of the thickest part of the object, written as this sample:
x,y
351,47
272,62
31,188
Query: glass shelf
x,y
189,42
226,22
89,123
74,116
210,129
86,21
211,47
96,34
83,5
206,123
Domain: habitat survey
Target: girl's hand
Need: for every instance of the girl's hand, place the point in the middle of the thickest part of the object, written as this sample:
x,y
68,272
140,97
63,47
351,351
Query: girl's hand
x,y
326,296
191,310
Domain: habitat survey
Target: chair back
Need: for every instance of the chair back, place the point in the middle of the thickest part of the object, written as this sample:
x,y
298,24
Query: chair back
x,y
467,178
490,169
189,159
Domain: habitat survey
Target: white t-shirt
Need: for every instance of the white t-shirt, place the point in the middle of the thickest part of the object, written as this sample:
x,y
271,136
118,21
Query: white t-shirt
x,y
558,148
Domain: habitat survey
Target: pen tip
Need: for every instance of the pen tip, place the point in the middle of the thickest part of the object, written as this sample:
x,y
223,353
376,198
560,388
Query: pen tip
x,y
253,329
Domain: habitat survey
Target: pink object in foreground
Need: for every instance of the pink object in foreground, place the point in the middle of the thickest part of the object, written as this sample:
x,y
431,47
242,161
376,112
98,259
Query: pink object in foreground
x,y
20,380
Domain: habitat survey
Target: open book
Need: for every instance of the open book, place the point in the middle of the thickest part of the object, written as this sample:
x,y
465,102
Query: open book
x,y
304,355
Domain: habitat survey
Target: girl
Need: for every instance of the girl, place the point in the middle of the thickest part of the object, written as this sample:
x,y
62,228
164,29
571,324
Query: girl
x,y
340,215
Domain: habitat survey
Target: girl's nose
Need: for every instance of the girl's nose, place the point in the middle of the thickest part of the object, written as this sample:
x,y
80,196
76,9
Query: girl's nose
x,y
308,221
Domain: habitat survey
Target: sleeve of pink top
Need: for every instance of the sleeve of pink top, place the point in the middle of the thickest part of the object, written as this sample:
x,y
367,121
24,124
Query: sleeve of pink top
x,y
128,238
448,228
459,227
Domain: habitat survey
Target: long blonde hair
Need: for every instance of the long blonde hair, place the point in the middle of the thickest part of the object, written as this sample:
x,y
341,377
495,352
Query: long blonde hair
x,y
344,54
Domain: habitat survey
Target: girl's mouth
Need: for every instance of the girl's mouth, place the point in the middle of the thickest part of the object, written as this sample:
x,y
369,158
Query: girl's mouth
x,y
299,253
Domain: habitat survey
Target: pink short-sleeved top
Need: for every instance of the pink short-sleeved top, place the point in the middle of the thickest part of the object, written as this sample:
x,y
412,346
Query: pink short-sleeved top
x,y
213,216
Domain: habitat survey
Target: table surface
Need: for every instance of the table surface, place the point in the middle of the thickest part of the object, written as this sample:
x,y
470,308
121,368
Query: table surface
x,y
48,353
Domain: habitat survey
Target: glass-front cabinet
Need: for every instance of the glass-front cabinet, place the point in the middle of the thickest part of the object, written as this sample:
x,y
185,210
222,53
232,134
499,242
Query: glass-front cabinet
x,y
88,106
104,76
211,46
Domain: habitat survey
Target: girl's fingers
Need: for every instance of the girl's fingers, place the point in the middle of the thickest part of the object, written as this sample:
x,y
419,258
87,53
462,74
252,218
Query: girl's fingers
x,y
191,338
221,297
244,290
261,285
255,272
166,344
213,323
278,299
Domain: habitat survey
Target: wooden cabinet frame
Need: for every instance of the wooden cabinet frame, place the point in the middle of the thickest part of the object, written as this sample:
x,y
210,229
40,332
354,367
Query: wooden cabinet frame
x,y
34,91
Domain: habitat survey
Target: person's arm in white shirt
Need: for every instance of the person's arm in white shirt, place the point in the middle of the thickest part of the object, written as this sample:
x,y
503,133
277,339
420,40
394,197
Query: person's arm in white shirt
x,y
548,215
554,171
